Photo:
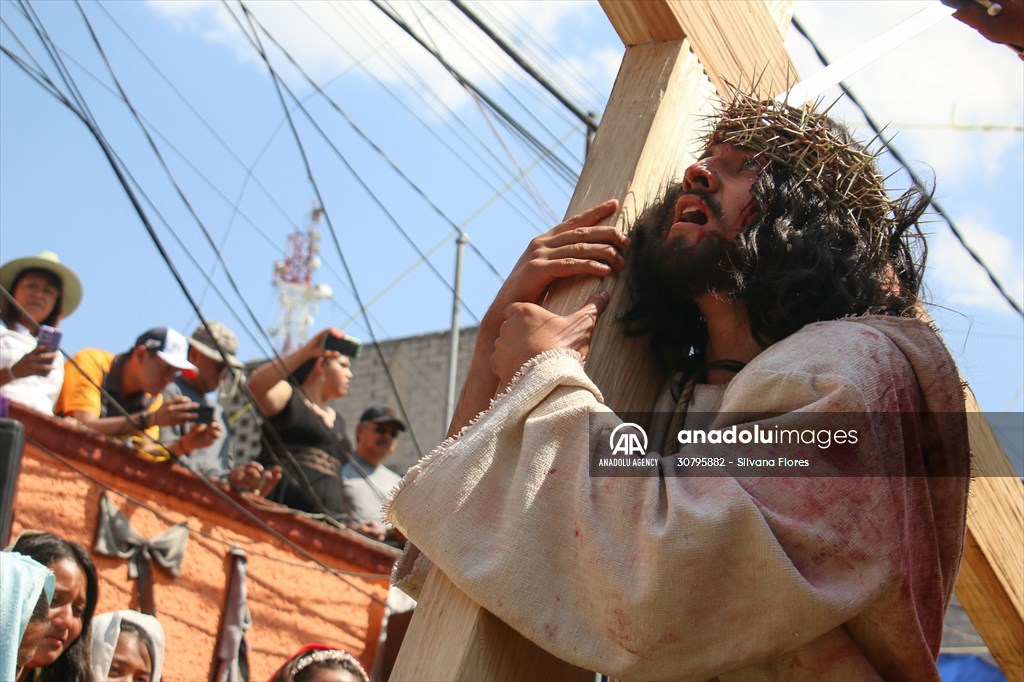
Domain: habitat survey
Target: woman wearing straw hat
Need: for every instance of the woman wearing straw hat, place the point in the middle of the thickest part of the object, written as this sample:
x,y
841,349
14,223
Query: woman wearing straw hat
x,y
44,291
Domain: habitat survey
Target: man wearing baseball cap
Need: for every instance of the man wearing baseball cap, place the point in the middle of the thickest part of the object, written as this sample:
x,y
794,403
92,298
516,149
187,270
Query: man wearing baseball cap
x,y
365,479
212,349
131,383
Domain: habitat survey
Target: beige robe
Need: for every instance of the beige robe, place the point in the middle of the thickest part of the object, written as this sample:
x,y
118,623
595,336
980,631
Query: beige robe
x,y
700,577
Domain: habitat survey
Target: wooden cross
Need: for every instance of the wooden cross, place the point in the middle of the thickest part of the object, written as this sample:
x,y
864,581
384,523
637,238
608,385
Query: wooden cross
x,y
679,53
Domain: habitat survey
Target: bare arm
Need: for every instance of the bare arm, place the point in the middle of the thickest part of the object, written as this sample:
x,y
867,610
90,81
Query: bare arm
x,y
268,384
578,246
175,412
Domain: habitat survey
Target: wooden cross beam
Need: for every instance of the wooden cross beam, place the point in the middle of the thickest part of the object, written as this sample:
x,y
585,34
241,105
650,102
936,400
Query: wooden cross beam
x,y
679,53
651,122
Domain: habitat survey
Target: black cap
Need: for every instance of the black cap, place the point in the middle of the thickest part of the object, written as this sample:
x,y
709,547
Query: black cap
x,y
380,414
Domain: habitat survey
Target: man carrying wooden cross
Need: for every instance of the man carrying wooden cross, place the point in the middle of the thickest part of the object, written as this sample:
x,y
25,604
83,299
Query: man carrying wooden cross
x,y
777,285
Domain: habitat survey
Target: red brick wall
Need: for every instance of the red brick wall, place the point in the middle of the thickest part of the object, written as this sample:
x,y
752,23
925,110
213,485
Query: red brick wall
x,y
292,600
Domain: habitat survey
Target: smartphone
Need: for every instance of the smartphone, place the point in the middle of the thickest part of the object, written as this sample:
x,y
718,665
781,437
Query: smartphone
x,y
49,336
348,345
204,414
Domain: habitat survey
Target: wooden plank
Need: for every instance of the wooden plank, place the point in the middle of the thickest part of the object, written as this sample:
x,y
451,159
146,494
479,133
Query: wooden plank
x,y
646,138
735,41
679,52
991,581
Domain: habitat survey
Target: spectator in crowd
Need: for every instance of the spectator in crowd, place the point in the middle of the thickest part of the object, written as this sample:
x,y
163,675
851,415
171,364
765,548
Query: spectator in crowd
x,y
294,394
131,383
46,291
63,654
217,459
26,587
365,479
127,646
320,663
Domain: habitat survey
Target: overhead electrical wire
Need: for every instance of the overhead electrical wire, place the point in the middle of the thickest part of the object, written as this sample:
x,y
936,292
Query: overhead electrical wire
x,y
235,205
378,150
557,179
446,115
587,118
275,79
210,485
494,70
122,174
913,176
284,214
250,175
489,61
569,79
185,249
224,144
167,171
542,205
356,176
556,162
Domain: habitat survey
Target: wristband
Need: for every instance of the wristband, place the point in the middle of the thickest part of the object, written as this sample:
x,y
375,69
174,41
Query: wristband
x,y
10,373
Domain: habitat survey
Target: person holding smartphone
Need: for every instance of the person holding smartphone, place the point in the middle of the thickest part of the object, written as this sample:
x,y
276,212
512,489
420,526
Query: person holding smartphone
x,y
305,433
120,395
44,291
212,349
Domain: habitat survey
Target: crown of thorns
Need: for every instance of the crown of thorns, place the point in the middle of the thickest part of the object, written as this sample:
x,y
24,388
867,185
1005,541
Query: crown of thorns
x,y
805,140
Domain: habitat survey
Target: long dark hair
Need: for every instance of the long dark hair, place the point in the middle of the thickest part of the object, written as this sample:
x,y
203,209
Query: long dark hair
x,y
10,313
75,662
806,258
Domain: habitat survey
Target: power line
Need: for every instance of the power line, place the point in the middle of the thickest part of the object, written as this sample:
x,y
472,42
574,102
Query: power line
x,y
556,162
275,79
586,118
490,63
503,17
258,522
375,147
401,101
913,176
123,175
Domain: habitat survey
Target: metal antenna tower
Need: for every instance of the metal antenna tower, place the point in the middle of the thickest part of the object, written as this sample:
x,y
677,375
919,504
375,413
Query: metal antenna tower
x,y
297,296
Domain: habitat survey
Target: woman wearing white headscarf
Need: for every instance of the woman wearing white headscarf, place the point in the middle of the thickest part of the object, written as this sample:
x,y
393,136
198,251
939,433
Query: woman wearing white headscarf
x,y
26,588
127,646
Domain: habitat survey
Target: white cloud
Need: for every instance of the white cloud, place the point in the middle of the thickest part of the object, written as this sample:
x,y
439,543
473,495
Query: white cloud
x,y
957,280
312,30
947,76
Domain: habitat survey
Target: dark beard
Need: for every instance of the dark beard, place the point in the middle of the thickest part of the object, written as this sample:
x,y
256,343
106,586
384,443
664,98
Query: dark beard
x,y
682,271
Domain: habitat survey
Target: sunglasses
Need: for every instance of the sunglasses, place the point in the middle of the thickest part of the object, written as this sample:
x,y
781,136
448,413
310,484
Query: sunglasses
x,y
385,429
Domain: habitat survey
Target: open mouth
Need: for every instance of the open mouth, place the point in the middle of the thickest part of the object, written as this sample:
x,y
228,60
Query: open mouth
x,y
693,215
690,209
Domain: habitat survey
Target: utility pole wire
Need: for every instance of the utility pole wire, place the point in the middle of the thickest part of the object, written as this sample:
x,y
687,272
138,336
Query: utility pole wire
x,y
913,176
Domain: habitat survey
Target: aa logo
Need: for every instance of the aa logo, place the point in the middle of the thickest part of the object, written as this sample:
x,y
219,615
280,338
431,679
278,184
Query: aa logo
x,y
629,440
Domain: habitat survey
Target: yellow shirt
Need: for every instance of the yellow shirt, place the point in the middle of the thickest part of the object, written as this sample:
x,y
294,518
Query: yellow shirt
x,y
84,376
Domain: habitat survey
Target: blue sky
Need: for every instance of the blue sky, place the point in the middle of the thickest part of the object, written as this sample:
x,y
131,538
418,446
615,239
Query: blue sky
x,y
955,102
